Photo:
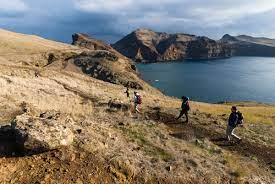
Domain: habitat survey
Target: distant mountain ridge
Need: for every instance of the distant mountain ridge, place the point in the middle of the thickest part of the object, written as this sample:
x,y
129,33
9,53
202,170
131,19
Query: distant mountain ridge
x,y
258,40
244,45
148,45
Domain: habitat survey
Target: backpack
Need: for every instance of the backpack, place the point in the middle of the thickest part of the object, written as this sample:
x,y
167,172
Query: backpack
x,y
240,118
139,99
187,106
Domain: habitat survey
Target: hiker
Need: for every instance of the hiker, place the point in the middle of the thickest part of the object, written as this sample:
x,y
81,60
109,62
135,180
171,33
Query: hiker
x,y
36,74
235,119
127,92
137,101
184,108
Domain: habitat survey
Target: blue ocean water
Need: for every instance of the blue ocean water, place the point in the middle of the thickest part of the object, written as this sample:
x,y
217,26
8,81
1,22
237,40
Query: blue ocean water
x,y
233,79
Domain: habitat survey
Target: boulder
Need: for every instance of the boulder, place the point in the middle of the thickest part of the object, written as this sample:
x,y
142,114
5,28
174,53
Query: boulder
x,y
44,133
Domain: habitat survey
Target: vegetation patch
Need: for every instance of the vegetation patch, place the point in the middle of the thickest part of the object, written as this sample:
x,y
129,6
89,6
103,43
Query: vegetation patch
x,y
212,149
148,147
259,114
254,158
233,162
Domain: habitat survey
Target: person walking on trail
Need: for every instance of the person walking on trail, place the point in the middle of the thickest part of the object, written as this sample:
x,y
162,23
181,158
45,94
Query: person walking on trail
x,y
36,74
127,92
137,101
184,108
235,119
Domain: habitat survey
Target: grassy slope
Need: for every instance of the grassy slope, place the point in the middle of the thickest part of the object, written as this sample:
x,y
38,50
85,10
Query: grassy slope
x,y
11,42
129,147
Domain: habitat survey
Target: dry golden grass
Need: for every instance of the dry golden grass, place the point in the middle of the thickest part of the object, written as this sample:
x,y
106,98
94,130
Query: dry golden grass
x,y
131,144
15,43
138,142
257,114
28,49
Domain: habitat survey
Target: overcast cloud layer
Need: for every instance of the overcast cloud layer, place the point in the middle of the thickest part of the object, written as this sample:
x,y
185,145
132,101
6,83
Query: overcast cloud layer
x,y
111,19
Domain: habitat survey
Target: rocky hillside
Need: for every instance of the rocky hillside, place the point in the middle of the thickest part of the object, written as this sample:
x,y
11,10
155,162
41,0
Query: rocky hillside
x,y
147,45
85,41
96,59
250,46
60,124
103,62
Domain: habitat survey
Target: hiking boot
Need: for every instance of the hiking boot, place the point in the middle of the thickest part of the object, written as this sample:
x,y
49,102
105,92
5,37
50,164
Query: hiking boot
x,y
239,141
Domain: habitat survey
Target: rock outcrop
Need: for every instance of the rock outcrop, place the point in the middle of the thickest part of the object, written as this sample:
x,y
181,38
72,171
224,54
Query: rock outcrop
x,y
106,66
85,41
249,46
46,132
103,62
147,45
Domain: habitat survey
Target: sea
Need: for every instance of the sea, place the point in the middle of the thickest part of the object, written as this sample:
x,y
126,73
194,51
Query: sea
x,y
213,81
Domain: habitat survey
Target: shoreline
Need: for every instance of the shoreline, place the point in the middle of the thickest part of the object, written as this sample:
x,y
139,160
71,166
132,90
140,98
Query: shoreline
x,y
179,60
241,102
199,59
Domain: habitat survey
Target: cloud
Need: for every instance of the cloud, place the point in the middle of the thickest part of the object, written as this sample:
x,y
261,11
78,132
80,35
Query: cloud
x,y
96,25
260,24
10,7
111,19
118,7
212,12
218,12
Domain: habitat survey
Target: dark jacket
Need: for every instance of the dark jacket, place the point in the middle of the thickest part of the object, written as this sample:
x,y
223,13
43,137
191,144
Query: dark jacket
x,y
233,119
185,105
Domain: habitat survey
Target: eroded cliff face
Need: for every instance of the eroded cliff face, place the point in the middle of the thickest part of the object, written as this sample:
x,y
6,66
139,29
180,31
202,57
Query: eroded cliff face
x,y
147,45
250,46
85,41
106,66
103,62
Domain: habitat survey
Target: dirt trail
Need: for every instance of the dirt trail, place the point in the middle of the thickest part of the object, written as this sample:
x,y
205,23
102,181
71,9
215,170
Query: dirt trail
x,y
196,130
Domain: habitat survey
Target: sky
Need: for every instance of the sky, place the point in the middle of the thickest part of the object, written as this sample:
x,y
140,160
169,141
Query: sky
x,y
110,20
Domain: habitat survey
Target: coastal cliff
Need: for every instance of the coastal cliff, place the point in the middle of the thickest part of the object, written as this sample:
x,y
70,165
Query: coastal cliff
x,y
149,46
244,45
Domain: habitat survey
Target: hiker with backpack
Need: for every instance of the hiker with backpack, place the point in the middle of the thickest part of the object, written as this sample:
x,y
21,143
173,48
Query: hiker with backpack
x,y
185,107
137,101
235,120
36,74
